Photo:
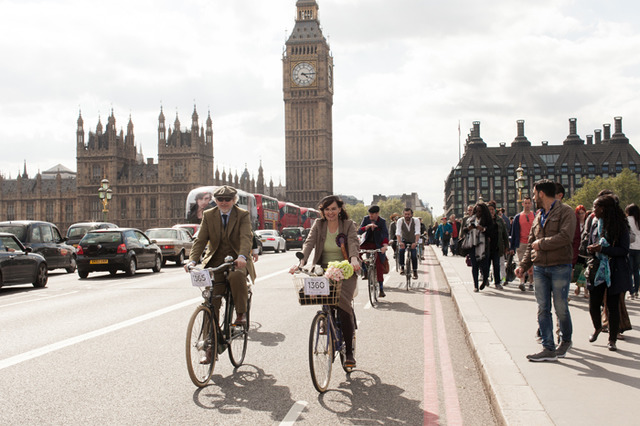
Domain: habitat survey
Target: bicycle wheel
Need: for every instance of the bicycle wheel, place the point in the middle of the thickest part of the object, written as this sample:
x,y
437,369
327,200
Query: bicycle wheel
x,y
238,339
373,287
320,352
200,340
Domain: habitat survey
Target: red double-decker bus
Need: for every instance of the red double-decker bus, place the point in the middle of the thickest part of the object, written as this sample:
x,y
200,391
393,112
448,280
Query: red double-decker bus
x,y
289,215
308,216
268,212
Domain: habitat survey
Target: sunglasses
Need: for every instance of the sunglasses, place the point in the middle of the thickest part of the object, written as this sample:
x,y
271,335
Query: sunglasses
x,y
223,199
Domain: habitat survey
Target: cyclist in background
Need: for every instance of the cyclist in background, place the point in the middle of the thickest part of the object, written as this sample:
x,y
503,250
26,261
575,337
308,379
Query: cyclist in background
x,y
408,233
376,236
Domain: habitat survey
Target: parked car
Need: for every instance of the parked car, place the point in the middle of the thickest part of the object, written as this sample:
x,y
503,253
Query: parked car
x,y
45,239
175,243
293,236
78,230
191,228
115,249
18,265
271,240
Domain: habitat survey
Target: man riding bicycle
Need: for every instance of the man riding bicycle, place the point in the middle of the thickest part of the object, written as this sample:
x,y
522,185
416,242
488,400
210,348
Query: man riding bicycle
x,y
376,236
226,229
408,233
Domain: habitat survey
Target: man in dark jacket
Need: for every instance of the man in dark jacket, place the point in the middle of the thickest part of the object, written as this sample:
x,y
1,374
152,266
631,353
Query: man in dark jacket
x,y
376,236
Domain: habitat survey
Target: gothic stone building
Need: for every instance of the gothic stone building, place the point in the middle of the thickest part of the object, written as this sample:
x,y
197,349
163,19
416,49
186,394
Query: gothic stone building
x,y
145,194
308,100
490,173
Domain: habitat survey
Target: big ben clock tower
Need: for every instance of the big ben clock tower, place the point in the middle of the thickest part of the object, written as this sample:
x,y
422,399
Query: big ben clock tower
x,y
308,99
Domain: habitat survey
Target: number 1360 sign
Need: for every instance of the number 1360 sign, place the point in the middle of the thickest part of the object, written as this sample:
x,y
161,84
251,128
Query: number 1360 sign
x,y
316,286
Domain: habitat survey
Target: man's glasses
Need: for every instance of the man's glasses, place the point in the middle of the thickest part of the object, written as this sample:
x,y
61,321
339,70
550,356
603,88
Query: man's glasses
x,y
223,199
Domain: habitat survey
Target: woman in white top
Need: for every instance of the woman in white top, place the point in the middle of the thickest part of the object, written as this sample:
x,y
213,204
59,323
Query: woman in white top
x,y
633,217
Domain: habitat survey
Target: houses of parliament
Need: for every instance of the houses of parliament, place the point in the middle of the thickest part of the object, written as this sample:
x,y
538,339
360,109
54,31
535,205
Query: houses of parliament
x,y
146,194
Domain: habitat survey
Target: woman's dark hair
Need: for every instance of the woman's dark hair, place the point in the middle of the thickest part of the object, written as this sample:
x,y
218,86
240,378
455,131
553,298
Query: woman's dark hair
x,y
485,216
330,199
634,211
614,220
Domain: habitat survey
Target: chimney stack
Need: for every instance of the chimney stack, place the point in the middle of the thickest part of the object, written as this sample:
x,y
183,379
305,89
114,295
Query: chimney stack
x,y
618,136
607,133
573,138
521,139
598,135
589,139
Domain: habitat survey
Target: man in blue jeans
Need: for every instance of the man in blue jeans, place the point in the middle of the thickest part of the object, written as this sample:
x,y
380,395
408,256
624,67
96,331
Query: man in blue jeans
x,y
550,250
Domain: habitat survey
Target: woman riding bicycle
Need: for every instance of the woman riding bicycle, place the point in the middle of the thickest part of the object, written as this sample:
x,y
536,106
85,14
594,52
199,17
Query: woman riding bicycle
x,y
333,237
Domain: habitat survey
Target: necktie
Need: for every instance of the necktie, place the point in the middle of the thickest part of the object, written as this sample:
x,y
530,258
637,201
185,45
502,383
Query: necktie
x,y
224,221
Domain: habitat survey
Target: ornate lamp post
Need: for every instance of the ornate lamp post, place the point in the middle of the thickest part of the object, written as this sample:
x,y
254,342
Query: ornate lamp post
x,y
432,220
520,181
105,194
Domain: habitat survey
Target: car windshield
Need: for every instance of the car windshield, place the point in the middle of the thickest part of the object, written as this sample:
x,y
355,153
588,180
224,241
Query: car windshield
x,y
78,231
162,233
9,244
102,237
291,233
269,233
19,231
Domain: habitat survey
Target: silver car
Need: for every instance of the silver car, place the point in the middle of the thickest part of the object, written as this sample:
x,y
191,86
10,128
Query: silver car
x,y
175,243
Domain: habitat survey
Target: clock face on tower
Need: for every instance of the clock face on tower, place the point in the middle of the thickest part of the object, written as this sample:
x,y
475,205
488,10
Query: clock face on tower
x,y
303,74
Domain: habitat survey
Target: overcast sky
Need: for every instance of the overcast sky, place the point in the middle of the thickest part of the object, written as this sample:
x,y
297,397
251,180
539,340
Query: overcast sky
x,y
406,73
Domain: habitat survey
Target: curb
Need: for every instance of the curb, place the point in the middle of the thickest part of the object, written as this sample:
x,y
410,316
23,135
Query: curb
x,y
513,400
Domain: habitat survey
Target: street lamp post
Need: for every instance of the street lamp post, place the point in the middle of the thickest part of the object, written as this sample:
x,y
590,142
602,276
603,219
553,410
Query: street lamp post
x,y
520,181
105,194
432,220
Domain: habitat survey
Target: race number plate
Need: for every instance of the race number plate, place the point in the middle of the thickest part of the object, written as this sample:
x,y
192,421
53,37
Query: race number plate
x,y
316,286
200,279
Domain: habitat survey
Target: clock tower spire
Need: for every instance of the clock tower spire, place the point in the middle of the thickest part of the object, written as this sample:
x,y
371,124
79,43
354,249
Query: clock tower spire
x,y
308,100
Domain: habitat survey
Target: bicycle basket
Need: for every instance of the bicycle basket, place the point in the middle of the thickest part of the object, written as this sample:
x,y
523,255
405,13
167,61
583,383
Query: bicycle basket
x,y
306,292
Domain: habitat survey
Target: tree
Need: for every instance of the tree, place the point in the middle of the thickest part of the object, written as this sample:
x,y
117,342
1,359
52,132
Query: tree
x,y
625,186
357,212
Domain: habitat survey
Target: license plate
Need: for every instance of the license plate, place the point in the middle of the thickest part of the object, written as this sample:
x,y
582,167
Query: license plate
x,y
98,261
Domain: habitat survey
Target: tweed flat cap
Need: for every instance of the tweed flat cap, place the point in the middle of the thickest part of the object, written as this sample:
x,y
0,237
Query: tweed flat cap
x,y
225,191
374,209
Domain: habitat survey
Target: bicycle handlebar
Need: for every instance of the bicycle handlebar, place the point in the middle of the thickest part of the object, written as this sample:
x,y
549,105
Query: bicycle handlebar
x,y
228,261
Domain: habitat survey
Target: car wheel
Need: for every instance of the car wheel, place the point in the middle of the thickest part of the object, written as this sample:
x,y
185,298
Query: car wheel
x,y
260,250
83,274
112,272
285,248
157,265
164,261
276,249
72,267
180,260
131,267
42,276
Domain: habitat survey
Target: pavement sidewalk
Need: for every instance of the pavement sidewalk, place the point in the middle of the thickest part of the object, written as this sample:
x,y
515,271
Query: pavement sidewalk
x,y
591,386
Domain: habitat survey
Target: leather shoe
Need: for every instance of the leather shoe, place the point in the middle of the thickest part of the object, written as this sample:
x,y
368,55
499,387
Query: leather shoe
x,y
241,320
612,346
595,334
415,275
350,362
382,293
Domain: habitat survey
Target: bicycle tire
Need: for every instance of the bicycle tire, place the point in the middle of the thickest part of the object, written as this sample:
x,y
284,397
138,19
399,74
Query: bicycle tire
x,y
197,343
238,338
373,287
320,352
407,268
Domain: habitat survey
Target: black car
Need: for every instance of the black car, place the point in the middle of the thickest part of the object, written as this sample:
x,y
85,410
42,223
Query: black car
x,y
111,250
293,236
18,265
45,239
78,230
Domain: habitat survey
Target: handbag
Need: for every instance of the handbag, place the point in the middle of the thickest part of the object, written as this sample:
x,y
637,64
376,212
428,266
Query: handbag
x,y
385,265
593,263
510,269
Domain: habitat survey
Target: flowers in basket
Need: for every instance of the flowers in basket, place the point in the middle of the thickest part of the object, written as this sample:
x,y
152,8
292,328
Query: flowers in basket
x,y
338,271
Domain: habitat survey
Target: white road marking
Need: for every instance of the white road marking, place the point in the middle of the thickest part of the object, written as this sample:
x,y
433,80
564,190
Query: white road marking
x,y
41,298
294,413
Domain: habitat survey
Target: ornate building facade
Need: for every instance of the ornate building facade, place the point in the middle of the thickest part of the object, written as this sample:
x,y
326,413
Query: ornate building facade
x,y
145,194
490,172
308,100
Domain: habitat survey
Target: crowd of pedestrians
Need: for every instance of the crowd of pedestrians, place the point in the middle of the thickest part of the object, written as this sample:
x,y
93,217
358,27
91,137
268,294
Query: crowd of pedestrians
x,y
547,246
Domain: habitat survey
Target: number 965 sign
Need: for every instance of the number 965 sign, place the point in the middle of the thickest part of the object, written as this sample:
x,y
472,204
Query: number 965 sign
x,y
316,286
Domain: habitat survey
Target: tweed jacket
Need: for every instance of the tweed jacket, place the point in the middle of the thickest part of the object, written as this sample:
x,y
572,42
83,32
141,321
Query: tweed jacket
x,y
318,235
238,231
